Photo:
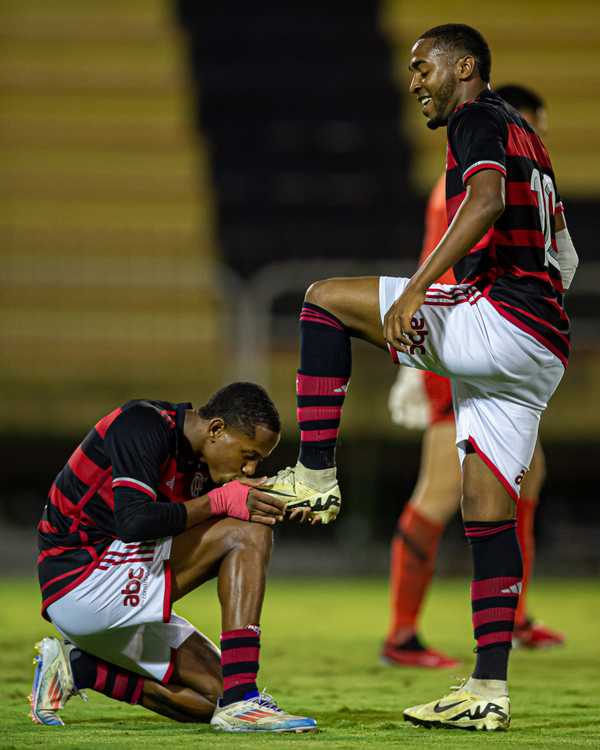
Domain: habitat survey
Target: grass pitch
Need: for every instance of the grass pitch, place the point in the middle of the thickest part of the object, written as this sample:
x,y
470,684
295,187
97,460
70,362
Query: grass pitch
x,y
320,657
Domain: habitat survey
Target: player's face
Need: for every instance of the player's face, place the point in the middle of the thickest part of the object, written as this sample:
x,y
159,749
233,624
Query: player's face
x,y
433,81
231,454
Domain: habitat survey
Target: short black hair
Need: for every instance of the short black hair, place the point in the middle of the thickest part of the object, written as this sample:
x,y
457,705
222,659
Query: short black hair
x,y
465,40
242,406
520,97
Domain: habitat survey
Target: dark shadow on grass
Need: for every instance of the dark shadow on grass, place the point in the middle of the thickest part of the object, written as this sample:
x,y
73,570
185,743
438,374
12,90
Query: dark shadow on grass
x,y
151,721
357,716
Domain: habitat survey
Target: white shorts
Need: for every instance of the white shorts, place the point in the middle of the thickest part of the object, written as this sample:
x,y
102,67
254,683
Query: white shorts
x,y
502,378
121,612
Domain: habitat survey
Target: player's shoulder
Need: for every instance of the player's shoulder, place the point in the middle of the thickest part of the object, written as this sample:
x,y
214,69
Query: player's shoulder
x,y
486,109
145,415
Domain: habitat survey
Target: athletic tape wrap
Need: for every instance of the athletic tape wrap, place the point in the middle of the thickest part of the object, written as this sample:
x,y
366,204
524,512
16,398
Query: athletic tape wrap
x,y
568,260
230,500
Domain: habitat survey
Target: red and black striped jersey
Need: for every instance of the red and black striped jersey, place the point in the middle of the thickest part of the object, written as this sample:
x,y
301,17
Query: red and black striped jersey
x,y
514,264
109,488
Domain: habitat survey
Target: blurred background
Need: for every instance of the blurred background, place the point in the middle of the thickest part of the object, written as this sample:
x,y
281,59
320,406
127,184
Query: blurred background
x,y
176,173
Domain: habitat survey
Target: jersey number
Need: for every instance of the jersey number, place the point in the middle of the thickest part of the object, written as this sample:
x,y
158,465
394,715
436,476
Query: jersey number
x,y
542,185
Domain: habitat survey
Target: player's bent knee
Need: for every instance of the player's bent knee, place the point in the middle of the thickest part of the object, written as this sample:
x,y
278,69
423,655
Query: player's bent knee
x,y
260,536
322,293
255,535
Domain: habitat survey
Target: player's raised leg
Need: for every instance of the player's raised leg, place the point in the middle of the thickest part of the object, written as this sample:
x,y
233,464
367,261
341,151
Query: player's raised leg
x,y
334,311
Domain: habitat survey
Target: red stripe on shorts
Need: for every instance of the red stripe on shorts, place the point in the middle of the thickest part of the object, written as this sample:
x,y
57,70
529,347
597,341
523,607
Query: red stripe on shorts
x,y
494,469
169,673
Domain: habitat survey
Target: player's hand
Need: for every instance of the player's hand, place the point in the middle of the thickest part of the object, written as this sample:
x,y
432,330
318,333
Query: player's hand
x,y
263,508
398,321
302,515
407,401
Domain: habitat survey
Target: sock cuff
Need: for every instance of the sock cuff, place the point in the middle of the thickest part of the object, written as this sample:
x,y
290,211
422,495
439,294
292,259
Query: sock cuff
x,y
480,530
311,313
83,667
411,519
229,637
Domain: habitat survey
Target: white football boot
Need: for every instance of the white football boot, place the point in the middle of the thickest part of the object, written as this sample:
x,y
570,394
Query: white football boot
x,y
315,493
259,714
462,709
53,682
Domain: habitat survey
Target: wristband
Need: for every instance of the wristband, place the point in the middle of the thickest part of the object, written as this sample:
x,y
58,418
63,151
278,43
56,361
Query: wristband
x,y
230,500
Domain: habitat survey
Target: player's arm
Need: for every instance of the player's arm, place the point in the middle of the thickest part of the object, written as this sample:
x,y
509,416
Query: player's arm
x,y
138,445
568,260
238,499
139,519
482,206
478,139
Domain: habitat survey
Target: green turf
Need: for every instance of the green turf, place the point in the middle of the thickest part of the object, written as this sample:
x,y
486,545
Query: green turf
x,y
320,644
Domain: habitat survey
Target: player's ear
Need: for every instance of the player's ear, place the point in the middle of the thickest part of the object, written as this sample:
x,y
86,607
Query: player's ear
x,y
465,67
216,426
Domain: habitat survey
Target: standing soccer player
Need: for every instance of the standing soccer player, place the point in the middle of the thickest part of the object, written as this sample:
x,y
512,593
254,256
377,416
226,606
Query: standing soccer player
x,y
134,522
501,334
424,400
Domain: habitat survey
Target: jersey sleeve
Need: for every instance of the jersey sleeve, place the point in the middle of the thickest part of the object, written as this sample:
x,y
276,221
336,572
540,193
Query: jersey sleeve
x,y
478,137
137,444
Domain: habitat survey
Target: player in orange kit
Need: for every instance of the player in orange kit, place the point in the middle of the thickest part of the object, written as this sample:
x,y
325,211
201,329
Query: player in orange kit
x,y
421,399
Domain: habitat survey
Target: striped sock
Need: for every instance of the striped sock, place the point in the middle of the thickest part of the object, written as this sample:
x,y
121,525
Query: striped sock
x,y
93,673
321,384
498,571
239,659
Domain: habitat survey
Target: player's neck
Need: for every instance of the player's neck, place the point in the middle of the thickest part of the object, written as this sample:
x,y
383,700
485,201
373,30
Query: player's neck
x,y
195,430
471,90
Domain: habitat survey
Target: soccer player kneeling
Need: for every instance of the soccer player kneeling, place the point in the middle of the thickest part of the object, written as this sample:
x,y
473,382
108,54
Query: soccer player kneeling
x,y
155,501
